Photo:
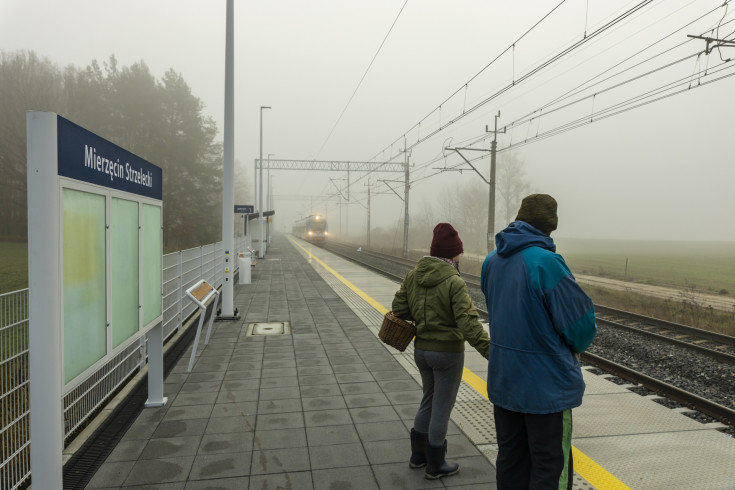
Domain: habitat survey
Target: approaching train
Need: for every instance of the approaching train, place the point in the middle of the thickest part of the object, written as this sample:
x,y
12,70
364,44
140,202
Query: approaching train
x,y
313,228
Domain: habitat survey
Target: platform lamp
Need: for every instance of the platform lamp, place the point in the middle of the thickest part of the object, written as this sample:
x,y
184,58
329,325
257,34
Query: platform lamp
x,y
261,248
269,201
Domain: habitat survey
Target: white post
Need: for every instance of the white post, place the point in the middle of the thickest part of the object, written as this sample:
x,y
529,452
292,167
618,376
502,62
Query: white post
x,y
44,281
270,198
261,248
155,367
228,195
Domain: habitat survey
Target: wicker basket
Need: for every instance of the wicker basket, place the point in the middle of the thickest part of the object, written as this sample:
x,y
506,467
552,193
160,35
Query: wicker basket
x,y
396,332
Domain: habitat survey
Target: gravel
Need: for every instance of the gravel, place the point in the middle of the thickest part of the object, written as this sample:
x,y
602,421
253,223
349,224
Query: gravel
x,y
678,366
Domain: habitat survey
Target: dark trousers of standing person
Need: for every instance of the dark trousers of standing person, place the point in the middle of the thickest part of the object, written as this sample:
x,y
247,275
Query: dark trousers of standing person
x,y
535,451
441,375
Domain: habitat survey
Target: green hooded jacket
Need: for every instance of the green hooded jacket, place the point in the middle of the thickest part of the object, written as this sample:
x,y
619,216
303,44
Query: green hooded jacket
x,y
436,298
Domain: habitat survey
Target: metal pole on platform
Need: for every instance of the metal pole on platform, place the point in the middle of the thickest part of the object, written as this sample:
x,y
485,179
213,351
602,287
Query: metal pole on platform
x,y
228,169
261,248
269,201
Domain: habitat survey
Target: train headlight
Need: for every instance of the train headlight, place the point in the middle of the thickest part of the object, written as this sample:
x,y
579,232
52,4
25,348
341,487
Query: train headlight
x,y
325,233
310,233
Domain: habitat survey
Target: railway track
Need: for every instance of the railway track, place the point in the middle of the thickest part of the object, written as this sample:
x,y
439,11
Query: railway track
x,y
708,348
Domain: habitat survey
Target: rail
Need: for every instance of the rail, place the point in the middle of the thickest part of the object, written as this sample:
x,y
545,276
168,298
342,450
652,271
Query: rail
x,y
180,270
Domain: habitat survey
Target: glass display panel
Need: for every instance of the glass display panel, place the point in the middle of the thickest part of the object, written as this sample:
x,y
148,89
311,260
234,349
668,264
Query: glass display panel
x,y
85,310
152,250
124,244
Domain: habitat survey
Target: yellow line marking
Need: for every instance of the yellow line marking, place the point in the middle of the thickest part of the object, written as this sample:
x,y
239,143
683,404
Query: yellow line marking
x,y
586,467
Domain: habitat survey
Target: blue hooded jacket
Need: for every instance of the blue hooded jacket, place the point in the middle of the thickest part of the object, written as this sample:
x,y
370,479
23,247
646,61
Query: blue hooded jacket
x,y
539,318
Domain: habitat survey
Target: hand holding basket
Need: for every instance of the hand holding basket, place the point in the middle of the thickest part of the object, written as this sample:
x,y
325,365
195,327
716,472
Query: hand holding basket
x,y
396,332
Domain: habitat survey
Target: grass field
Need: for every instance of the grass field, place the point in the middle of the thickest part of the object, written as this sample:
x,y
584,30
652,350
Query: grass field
x,y
705,266
13,266
708,267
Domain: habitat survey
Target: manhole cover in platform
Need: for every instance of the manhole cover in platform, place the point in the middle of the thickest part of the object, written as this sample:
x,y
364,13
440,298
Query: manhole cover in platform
x,y
271,328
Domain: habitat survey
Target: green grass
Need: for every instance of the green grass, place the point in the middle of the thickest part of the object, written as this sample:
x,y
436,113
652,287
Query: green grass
x,y
707,267
13,266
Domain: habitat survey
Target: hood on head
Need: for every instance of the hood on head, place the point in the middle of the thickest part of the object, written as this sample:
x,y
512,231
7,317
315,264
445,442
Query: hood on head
x,y
520,235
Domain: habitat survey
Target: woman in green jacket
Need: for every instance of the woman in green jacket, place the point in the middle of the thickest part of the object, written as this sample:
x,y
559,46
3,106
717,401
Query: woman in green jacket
x,y
436,298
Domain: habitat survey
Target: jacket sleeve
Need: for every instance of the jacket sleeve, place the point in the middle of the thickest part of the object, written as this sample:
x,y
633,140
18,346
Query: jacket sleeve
x,y
572,311
467,318
400,306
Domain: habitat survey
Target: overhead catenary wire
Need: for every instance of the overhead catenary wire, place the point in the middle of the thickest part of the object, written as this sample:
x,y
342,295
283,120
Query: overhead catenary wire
x,y
663,91
360,82
526,76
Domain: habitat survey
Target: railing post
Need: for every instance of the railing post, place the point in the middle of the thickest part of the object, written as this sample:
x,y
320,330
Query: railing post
x,y
179,297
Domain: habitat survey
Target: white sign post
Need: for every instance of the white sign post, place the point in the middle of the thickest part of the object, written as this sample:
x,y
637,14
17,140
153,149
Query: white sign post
x,y
95,275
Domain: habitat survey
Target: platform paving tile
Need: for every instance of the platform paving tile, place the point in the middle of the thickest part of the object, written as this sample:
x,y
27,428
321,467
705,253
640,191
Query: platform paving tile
x,y
326,407
321,418
374,414
399,475
237,483
283,382
209,466
279,393
266,406
382,431
355,367
405,397
180,428
240,384
337,456
238,423
323,403
154,471
301,480
226,443
111,474
283,460
352,478
171,447
279,439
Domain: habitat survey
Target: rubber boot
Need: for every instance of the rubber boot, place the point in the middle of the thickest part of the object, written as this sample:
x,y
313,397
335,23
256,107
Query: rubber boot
x,y
418,449
437,466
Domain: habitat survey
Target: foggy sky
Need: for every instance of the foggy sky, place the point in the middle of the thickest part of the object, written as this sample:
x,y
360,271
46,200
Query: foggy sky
x,y
663,171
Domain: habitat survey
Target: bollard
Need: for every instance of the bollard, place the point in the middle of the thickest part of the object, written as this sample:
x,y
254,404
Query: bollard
x,y
244,264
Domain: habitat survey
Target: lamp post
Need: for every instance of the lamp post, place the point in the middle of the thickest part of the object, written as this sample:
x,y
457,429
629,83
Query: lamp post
x,y
261,252
268,201
228,171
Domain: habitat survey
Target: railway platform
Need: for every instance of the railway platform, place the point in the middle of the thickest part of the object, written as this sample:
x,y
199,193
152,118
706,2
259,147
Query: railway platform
x,y
300,393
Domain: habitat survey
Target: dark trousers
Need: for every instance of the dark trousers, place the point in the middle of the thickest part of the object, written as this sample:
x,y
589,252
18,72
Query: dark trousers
x,y
535,451
441,375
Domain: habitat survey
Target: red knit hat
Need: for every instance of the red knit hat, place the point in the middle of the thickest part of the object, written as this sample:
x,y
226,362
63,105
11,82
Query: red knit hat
x,y
446,242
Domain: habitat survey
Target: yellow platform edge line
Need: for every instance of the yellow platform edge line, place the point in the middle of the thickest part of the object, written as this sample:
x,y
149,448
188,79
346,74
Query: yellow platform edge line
x,y
585,466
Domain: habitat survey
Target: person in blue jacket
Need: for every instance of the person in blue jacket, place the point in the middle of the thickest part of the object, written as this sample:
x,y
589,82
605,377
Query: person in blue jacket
x,y
539,320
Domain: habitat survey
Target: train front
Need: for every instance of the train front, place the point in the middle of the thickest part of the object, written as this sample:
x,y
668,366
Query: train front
x,y
317,228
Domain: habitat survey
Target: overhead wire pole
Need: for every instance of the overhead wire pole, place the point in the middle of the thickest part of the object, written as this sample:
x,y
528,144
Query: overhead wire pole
x,y
368,213
268,201
405,203
228,170
491,199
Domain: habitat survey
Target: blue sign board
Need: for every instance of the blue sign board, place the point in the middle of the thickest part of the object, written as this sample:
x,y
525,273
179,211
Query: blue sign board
x,y
244,208
90,158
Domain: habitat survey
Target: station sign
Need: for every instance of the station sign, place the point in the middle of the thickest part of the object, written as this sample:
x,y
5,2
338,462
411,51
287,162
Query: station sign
x,y
244,208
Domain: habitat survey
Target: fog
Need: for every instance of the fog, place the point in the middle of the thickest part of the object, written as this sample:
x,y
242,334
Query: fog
x,y
648,169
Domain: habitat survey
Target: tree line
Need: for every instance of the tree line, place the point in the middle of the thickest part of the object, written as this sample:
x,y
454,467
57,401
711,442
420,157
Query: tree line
x,y
159,120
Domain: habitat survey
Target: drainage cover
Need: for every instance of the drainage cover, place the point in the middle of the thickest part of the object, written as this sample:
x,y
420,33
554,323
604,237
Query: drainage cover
x,y
272,328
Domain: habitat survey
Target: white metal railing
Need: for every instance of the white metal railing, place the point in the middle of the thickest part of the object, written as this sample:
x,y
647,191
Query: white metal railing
x,y
180,270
